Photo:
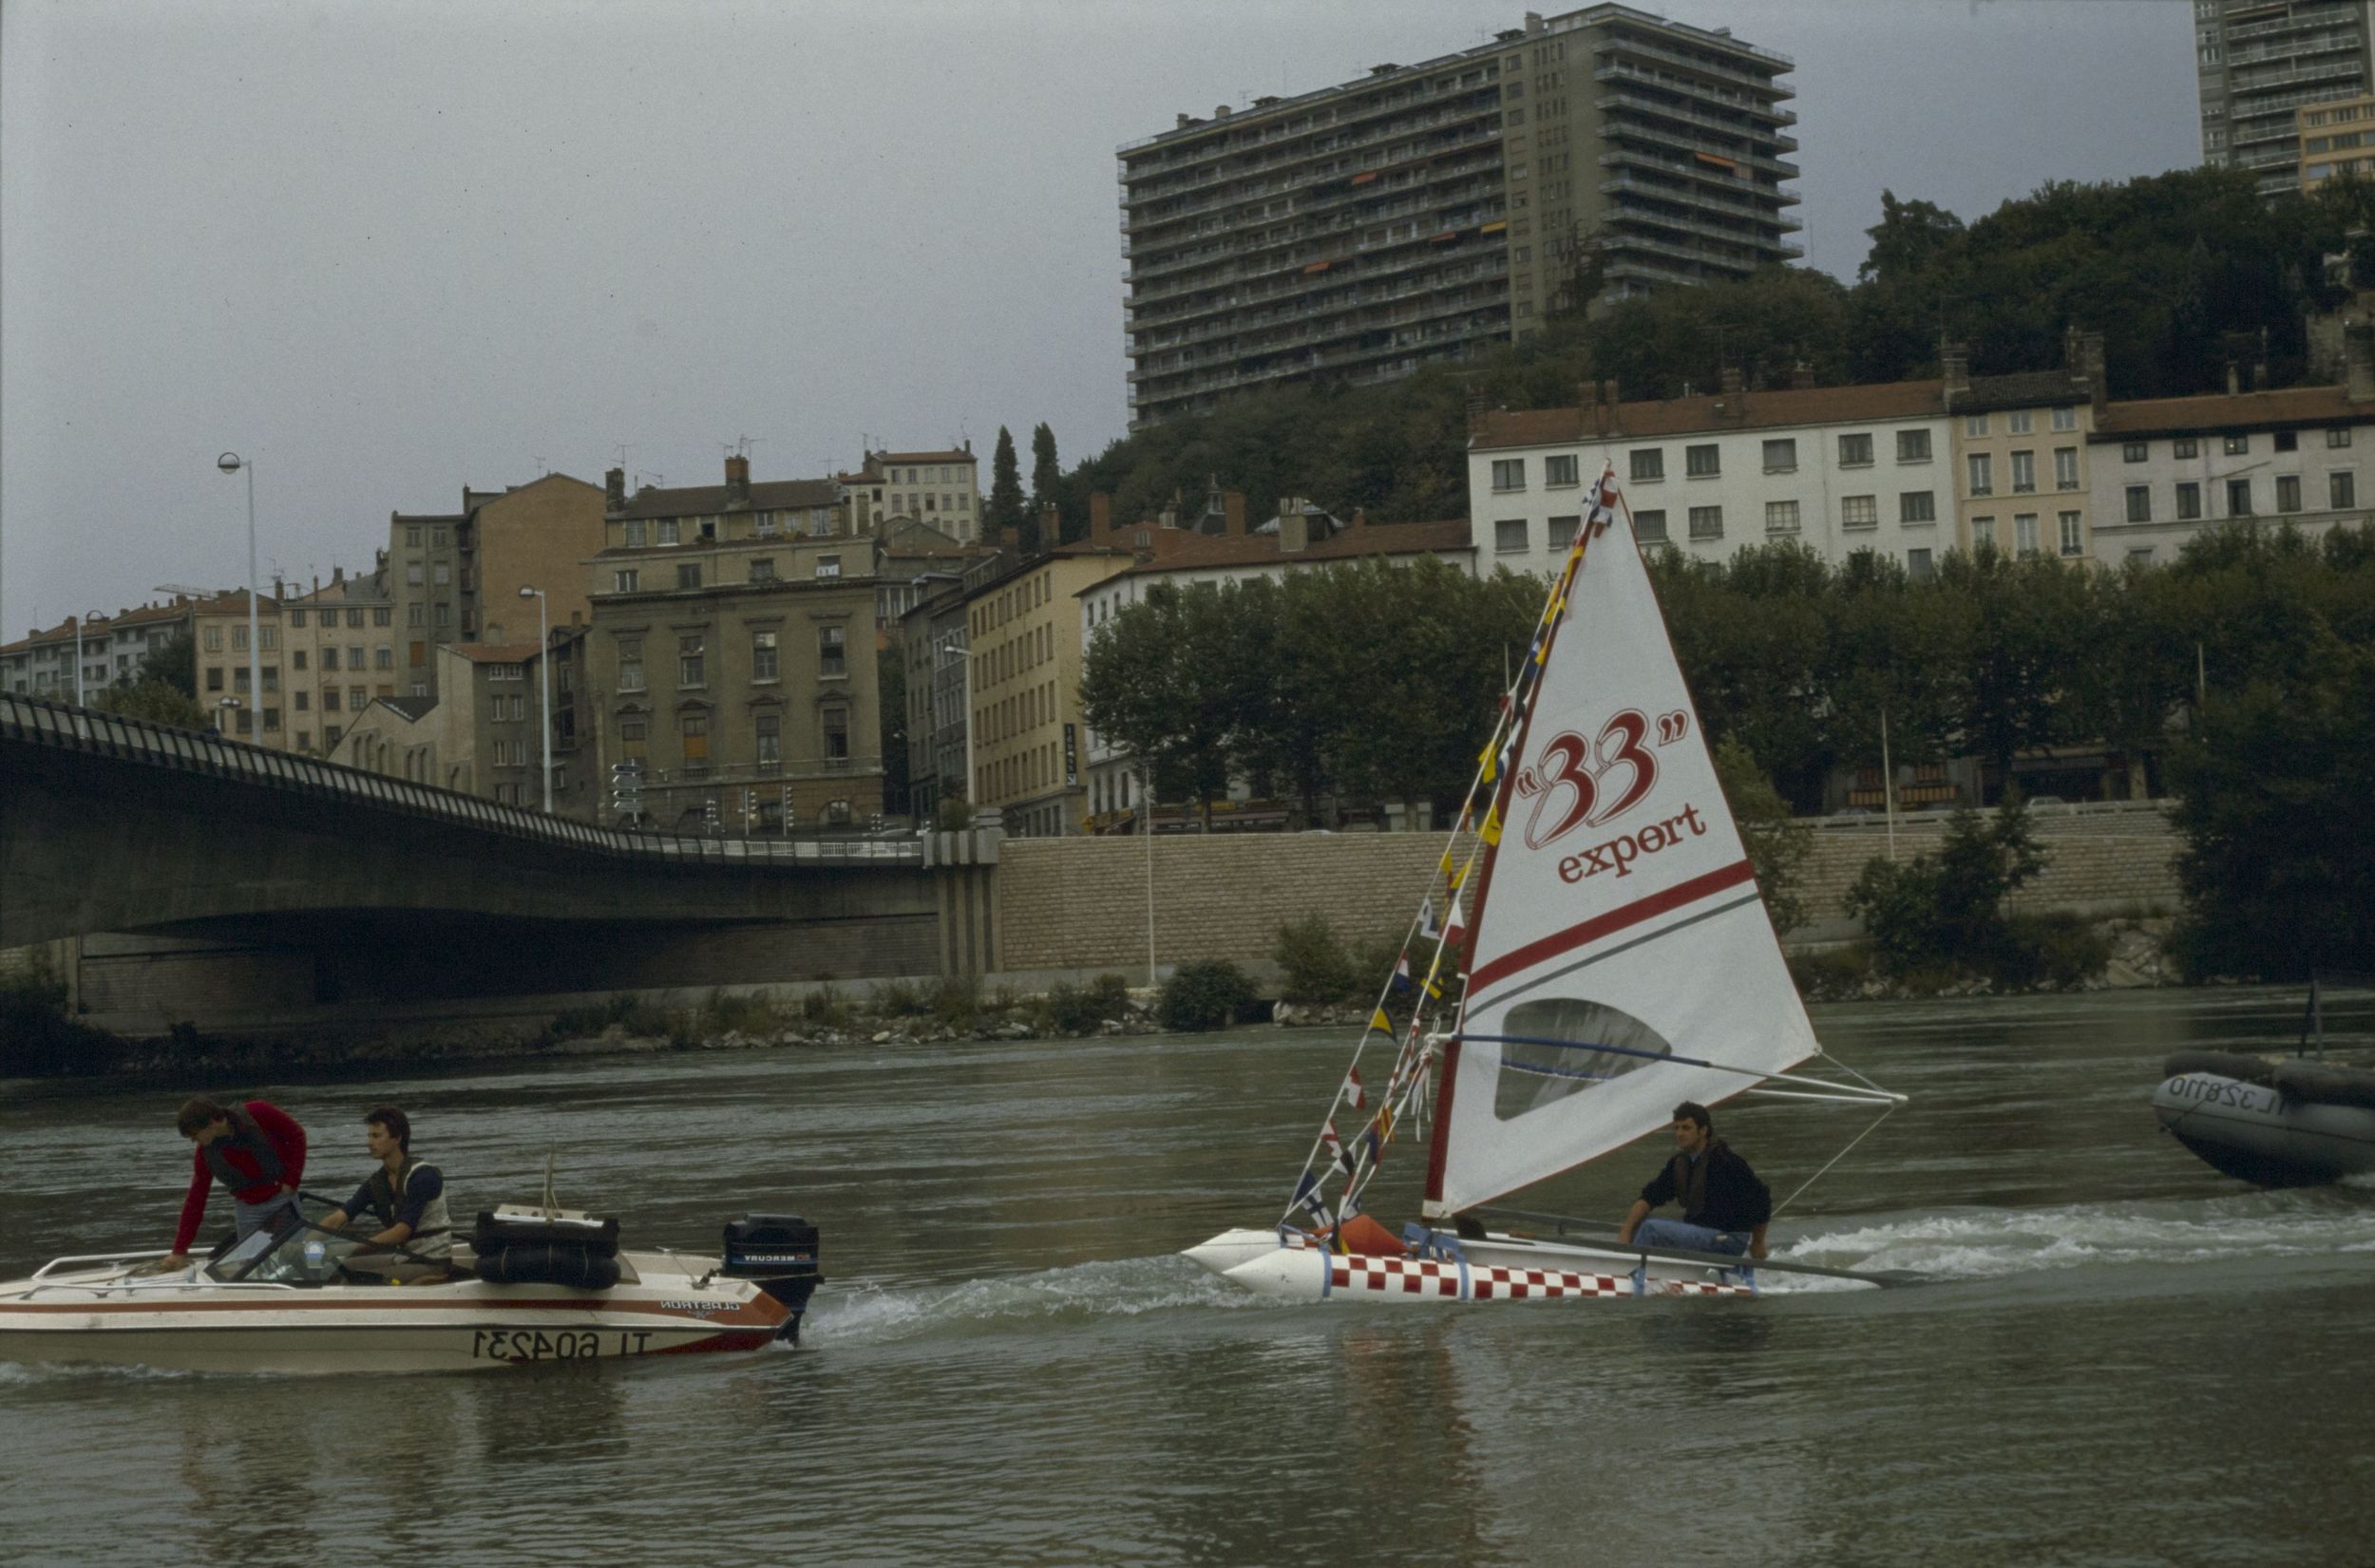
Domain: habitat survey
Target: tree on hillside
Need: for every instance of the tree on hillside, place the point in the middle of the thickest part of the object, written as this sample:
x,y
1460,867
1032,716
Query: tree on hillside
x,y
174,662
1776,846
1004,507
1158,684
2024,641
1944,910
157,701
1909,239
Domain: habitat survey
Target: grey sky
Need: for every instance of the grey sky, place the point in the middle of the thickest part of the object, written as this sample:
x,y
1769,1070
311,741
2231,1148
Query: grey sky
x,y
387,251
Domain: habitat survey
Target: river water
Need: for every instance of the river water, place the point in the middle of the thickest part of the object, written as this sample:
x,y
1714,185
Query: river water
x,y
2125,1358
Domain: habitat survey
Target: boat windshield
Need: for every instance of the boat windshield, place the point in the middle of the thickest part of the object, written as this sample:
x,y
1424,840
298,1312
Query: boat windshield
x,y
300,1252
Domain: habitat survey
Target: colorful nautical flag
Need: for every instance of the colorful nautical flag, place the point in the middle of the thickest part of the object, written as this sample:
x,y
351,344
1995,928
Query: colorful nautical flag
x,y
1490,833
1353,1091
1455,926
1379,1022
1376,1149
1428,929
1401,972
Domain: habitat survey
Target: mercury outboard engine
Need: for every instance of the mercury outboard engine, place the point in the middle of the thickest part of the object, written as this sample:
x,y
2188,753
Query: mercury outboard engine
x,y
777,1251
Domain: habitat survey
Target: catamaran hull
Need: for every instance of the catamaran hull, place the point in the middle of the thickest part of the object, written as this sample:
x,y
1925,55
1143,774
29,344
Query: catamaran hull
x,y
1496,1270
117,1320
2270,1132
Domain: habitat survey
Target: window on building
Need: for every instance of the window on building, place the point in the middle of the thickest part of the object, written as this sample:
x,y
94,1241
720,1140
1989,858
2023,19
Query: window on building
x,y
2023,471
1975,425
1702,462
2288,492
835,722
1917,564
1913,446
1982,474
1780,517
1984,532
2065,419
296,658
670,531
443,574
831,651
359,697
1508,535
2341,491
2140,503
763,666
631,664
1917,506
1647,462
1563,531
1649,527
444,615
1782,456
694,730
2339,436
2185,446
2065,469
2073,530
636,536
766,526
437,537
828,566
2287,441
329,658
383,615
412,536
2189,500
296,619
419,655
1509,473
767,730
1855,449
2018,421
1560,472
691,662
2135,451
1859,511
688,575
354,616
2238,498
330,699
1706,522
211,639
2236,446
239,639
763,569
634,734
415,615
2024,535
213,677
384,657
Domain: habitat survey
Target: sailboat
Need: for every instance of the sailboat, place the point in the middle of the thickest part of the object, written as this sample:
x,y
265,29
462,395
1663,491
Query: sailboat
x,y
1602,954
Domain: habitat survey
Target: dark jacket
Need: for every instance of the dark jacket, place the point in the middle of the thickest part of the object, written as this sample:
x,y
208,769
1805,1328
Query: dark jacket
x,y
1733,1198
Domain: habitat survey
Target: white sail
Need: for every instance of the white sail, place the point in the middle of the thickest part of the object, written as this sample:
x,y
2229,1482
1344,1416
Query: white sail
x,y
1618,923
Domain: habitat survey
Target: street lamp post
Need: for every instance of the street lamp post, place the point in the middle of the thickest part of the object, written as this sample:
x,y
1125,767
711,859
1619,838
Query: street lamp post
x,y
972,789
231,462
545,672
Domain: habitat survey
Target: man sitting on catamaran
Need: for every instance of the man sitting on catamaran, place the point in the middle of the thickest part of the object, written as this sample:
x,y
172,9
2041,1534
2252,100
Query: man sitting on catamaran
x,y
1725,1207
1723,1203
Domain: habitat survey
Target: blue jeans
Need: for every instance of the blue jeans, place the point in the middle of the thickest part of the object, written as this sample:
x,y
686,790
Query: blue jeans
x,y
1674,1232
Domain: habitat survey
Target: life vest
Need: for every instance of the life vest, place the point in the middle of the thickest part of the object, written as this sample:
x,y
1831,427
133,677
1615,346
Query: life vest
x,y
248,1139
387,1196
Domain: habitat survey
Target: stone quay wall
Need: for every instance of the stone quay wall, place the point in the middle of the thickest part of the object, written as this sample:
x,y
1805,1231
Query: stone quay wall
x,y
1066,905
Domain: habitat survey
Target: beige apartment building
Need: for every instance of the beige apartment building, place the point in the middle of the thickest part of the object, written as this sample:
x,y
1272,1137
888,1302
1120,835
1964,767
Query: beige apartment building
x,y
219,630
1023,646
2336,139
731,668
939,489
341,646
482,737
455,577
2022,472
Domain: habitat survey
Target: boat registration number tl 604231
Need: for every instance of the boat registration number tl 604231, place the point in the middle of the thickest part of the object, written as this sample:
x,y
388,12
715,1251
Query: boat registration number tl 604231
x,y
2206,1090
546,1344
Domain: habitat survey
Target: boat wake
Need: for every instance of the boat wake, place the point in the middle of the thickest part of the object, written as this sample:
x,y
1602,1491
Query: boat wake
x,y
1984,1244
861,1313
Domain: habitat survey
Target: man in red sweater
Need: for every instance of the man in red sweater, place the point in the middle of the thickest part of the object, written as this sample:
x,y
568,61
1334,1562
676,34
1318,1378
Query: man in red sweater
x,y
256,1149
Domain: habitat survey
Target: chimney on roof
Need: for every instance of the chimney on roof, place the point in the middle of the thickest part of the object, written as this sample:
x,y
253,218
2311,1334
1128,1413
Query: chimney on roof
x,y
2235,379
1050,528
615,490
1100,519
1730,376
1361,517
1233,511
1294,529
1954,368
1802,375
737,480
338,576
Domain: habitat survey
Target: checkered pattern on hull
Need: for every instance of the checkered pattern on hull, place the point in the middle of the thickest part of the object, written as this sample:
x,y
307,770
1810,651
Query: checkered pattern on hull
x,y
1415,1276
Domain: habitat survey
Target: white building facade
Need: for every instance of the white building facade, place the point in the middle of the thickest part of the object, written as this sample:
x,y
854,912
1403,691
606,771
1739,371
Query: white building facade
x,y
2167,468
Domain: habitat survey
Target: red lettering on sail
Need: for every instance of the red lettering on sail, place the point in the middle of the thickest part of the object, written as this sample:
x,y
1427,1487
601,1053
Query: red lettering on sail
x,y
1571,771
1620,745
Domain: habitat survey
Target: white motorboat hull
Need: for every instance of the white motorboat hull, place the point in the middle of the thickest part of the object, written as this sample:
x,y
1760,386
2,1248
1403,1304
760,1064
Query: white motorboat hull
x,y
110,1317
2261,1133
1498,1267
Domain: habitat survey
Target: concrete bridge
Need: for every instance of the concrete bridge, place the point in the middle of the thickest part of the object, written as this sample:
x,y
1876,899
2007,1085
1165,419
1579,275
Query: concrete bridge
x,y
183,874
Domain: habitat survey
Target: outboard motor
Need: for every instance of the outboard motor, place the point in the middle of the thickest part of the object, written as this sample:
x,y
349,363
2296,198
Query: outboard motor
x,y
777,1251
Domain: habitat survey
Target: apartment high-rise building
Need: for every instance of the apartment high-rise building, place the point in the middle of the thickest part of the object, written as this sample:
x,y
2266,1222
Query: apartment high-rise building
x,y
1425,211
2257,62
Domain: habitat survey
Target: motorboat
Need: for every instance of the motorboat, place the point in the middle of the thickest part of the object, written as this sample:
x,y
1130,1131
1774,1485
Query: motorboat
x,y
533,1283
2292,1120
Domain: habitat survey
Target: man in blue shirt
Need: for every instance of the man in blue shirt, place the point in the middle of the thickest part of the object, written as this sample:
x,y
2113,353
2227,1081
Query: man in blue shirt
x,y
405,1195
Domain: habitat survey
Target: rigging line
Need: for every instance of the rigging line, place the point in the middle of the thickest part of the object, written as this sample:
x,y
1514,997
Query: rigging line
x,y
1835,1159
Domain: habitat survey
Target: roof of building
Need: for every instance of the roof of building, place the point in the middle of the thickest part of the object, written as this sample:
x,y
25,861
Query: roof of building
x,y
1194,552
2233,410
2022,389
416,709
448,517
702,499
1712,414
492,653
953,456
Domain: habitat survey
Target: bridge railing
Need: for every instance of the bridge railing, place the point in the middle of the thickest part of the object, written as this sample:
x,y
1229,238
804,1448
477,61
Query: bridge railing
x,y
61,726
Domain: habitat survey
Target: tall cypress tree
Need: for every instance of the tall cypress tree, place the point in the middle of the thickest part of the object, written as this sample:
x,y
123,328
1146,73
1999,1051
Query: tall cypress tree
x,y
1005,504
1047,480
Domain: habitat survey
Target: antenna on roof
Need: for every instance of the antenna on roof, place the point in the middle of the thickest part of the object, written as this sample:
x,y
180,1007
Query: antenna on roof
x,y
623,452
